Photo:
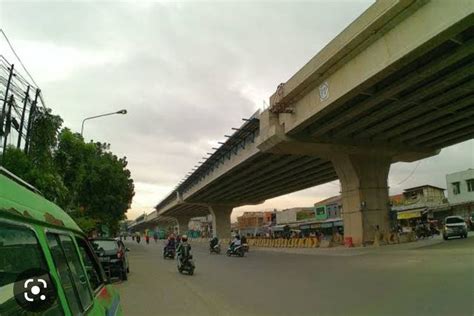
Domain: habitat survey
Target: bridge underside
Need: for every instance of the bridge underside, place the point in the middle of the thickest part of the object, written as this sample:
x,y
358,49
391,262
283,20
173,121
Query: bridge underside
x,y
266,176
425,103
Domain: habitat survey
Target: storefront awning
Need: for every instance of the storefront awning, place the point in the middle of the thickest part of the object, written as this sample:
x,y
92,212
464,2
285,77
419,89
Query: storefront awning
x,y
415,213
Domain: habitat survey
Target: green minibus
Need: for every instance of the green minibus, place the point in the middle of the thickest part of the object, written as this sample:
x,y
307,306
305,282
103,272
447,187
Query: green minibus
x,y
47,265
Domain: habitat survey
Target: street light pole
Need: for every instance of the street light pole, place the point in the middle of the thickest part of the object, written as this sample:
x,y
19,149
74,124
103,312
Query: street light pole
x,y
93,117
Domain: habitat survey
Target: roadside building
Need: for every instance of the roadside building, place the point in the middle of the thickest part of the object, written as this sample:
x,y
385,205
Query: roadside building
x,y
460,196
416,204
292,215
328,208
460,186
428,203
269,218
250,223
303,221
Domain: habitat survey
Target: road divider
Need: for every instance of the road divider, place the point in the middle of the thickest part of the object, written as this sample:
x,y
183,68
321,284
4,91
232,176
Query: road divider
x,y
313,242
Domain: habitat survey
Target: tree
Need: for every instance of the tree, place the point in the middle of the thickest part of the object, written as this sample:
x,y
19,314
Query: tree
x,y
44,138
86,180
16,161
99,183
108,189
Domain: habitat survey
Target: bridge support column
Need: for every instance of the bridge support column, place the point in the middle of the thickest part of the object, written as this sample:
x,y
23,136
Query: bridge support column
x,y
183,224
365,198
221,220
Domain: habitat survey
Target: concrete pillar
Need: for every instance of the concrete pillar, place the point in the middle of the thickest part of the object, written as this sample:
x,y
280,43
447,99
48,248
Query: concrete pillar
x,y
365,198
183,224
221,220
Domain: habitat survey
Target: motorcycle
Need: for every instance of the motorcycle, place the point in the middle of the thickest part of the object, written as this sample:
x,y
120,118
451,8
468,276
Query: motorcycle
x,y
422,232
186,265
235,251
215,249
169,252
245,246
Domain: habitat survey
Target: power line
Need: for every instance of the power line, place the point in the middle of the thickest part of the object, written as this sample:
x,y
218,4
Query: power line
x,y
411,173
22,65
18,57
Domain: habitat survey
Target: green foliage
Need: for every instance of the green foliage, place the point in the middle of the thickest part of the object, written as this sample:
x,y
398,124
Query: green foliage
x,y
44,139
87,224
16,161
87,180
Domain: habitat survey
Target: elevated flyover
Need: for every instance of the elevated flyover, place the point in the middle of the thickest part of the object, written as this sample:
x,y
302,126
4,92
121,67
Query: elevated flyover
x,y
395,85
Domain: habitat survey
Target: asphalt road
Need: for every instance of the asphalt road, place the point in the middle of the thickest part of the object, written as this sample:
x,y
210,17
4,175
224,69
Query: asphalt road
x,y
437,279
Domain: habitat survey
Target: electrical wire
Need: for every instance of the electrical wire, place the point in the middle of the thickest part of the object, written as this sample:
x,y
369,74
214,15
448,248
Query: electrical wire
x,y
411,173
18,57
22,65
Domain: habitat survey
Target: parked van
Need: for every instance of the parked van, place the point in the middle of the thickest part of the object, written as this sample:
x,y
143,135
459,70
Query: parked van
x,y
47,265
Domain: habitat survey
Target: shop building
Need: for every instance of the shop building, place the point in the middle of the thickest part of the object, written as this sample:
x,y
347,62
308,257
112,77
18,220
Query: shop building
x,y
460,186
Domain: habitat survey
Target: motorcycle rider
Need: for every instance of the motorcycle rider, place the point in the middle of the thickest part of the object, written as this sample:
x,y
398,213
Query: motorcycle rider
x,y
170,243
214,241
183,250
243,240
235,242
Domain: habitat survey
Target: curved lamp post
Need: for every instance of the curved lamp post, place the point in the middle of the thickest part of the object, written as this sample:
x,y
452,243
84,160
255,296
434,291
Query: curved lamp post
x,y
106,114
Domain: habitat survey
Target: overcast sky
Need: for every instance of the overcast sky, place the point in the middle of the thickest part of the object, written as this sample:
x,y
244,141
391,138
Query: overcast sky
x,y
187,72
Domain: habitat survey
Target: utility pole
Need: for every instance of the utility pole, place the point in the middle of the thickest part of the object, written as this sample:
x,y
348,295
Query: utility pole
x,y
30,120
20,131
2,114
7,126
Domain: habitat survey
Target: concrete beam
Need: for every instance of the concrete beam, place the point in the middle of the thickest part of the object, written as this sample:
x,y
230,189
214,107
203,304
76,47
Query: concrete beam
x,y
271,172
409,80
309,146
393,111
307,183
453,138
282,179
462,123
309,180
417,121
428,27
246,171
413,137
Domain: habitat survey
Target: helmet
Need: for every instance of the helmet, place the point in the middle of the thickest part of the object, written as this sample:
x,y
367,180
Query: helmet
x,y
184,238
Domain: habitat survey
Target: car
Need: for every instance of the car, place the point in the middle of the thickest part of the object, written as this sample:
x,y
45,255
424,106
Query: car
x,y
113,256
454,226
47,265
